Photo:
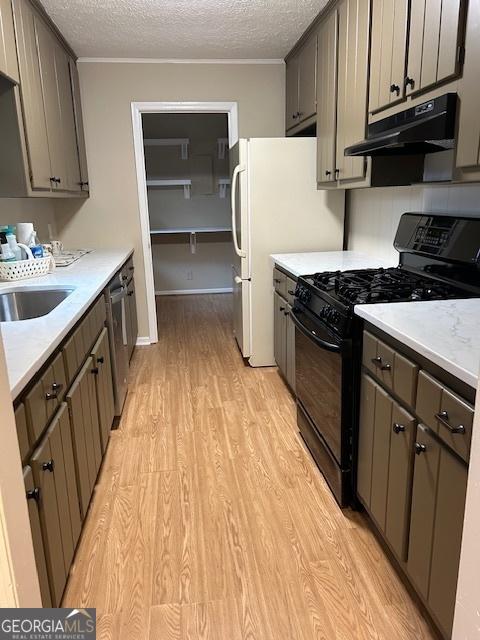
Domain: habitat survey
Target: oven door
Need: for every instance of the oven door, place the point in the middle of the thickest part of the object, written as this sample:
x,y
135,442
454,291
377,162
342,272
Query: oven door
x,y
320,362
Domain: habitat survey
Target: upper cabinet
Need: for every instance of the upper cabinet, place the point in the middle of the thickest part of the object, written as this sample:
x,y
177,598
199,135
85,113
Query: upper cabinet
x,y
388,52
301,78
8,58
413,49
45,149
343,46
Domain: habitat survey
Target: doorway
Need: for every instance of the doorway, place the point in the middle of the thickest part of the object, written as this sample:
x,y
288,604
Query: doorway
x,y
184,195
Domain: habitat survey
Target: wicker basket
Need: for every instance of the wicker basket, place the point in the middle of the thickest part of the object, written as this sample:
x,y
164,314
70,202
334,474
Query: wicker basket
x,y
23,269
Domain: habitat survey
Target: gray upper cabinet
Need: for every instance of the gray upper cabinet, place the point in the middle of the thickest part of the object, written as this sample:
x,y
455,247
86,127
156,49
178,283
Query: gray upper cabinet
x,y
50,126
435,41
8,54
301,78
77,106
388,52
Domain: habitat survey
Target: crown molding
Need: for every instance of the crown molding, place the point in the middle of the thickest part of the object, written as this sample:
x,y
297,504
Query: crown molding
x,y
182,60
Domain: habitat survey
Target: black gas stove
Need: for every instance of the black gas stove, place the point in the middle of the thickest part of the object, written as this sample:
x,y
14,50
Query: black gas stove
x,y
439,260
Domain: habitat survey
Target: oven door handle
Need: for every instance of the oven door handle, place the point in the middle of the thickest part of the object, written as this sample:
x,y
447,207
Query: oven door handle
x,y
329,346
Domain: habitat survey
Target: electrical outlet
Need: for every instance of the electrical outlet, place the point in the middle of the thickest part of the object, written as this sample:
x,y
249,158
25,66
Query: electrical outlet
x,y
189,275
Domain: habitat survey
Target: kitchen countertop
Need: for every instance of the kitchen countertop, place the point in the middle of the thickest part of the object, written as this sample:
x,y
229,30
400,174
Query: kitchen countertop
x,y
29,343
302,264
444,331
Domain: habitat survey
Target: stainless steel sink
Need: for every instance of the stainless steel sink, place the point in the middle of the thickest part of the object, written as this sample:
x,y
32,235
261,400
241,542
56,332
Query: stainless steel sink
x,y
25,303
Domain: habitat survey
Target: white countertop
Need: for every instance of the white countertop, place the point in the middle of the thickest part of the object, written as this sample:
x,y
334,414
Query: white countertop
x,y
447,332
29,343
303,264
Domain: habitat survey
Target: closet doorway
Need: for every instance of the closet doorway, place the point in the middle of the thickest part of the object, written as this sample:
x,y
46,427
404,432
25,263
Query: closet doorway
x,y
183,173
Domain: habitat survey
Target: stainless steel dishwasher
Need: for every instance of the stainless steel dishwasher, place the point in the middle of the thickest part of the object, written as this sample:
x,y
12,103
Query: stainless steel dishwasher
x,y
115,298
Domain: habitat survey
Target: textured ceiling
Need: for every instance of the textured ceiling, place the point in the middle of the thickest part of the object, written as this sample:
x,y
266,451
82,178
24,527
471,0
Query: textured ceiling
x,y
182,28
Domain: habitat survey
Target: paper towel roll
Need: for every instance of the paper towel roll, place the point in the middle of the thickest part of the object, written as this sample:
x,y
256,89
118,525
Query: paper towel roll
x,y
24,232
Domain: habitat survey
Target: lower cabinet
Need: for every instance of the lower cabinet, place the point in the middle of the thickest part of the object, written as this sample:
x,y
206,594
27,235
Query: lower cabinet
x,y
385,462
83,409
33,496
131,318
438,504
284,339
103,387
54,476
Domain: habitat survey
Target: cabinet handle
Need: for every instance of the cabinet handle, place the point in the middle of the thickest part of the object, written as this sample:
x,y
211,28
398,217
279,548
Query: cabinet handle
x,y
282,308
130,293
328,173
95,371
277,281
51,396
409,82
377,361
286,313
100,360
57,386
49,466
34,494
398,428
394,88
337,173
420,448
83,184
55,180
386,367
443,418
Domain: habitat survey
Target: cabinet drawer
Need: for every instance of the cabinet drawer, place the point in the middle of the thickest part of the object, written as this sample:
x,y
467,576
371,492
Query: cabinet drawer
x,y
280,282
445,413
44,398
291,286
395,371
22,431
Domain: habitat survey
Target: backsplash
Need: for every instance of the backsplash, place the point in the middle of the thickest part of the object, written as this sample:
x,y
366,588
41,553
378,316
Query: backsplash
x,y
39,211
373,214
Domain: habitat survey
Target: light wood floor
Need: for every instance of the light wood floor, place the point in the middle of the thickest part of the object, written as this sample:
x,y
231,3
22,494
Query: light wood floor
x,y
210,519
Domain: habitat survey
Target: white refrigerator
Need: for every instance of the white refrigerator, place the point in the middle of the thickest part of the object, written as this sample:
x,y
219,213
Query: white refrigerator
x,y
276,208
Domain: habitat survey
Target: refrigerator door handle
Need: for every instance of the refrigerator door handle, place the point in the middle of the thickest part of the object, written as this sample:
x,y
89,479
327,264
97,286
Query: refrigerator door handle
x,y
236,172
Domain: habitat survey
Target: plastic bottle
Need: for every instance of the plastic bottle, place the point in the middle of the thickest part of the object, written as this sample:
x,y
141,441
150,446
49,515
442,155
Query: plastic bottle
x,y
7,254
12,243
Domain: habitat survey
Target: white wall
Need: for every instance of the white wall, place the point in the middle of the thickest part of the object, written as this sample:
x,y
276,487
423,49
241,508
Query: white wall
x,y
111,215
373,214
40,211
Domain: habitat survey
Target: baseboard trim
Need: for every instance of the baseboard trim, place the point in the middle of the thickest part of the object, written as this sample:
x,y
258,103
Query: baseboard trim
x,y
143,341
191,292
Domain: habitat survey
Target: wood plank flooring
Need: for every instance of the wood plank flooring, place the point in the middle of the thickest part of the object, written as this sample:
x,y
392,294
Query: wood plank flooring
x,y
210,520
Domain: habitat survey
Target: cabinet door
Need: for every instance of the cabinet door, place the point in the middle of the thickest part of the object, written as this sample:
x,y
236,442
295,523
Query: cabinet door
x,y
31,95
132,323
280,307
434,41
34,496
77,107
402,432
380,456
447,539
8,49
352,85
43,467
423,509
388,52
83,411
290,349
365,439
307,79
71,169
292,80
327,99
104,386
22,431
468,145
47,51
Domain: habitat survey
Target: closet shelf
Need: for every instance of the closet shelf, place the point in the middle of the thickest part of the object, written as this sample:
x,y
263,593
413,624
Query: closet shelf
x,y
161,232
223,183
186,184
170,142
222,146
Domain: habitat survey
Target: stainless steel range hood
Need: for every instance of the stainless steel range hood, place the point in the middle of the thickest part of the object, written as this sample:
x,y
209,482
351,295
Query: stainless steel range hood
x,y
426,128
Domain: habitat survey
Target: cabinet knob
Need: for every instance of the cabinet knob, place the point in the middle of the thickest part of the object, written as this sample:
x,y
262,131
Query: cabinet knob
x,y
337,173
420,448
130,293
328,173
55,180
83,184
377,361
95,371
33,494
286,313
386,367
409,82
49,466
282,308
101,360
394,88
398,428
